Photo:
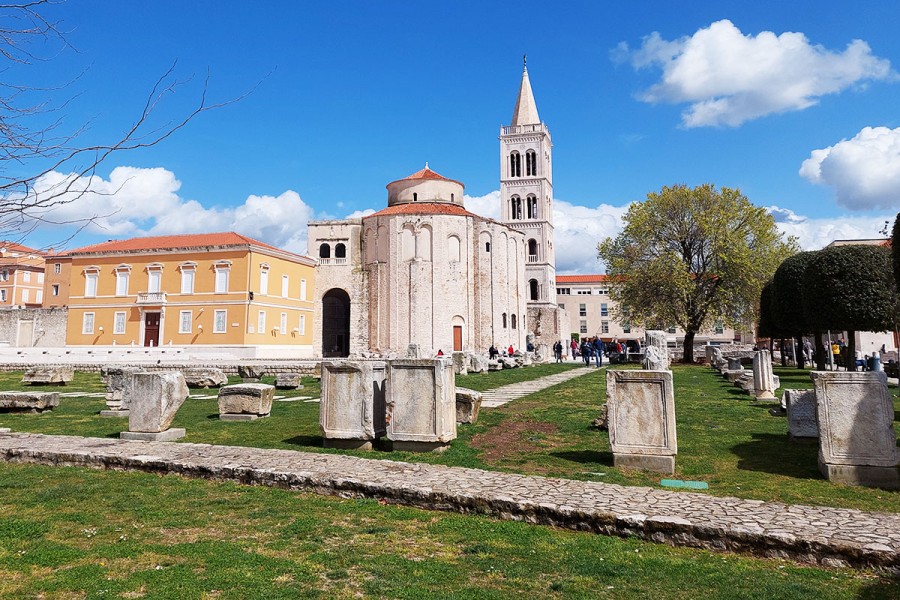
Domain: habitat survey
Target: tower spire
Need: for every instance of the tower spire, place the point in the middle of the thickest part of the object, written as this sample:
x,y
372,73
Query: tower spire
x,y
525,112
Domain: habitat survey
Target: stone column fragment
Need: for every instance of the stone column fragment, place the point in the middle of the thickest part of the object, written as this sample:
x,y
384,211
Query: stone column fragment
x,y
656,351
642,419
156,398
763,376
352,409
245,401
421,404
801,413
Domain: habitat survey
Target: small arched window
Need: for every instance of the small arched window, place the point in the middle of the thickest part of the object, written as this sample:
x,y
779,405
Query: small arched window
x,y
531,164
531,203
515,208
533,289
340,251
504,320
324,251
487,246
515,165
415,197
513,321
532,248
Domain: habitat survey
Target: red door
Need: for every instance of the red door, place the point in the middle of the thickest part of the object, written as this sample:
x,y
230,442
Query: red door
x,y
457,338
151,329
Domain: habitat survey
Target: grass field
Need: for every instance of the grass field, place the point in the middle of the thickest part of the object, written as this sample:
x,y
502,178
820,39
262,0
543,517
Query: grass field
x,y
724,438
77,533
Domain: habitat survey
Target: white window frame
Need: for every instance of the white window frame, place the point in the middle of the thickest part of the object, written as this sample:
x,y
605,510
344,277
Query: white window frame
x,y
57,268
303,289
582,327
185,317
282,323
285,286
122,276
302,324
26,276
261,321
87,323
41,277
26,296
39,296
188,278
223,271
604,309
3,295
582,310
54,289
604,326
90,283
4,275
119,319
264,279
154,279
220,321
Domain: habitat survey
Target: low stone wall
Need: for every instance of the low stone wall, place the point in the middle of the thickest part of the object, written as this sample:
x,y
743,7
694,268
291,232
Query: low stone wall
x,y
271,367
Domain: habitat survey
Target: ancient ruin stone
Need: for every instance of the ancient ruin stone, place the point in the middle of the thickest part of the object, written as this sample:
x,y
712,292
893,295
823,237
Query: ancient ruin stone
x,y
156,398
35,402
642,419
763,377
800,406
288,381
421,404
118,386
656,351
857,443
52,374
468,403
204,377
478,363
352,409
251,399
251,373
460,363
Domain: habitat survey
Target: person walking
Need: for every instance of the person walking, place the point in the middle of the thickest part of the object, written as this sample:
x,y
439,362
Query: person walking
x,y
585,353
557,350
574,347
598,351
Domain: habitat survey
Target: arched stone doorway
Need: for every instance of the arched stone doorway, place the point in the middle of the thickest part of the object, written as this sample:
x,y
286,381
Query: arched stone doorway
x,y
335,323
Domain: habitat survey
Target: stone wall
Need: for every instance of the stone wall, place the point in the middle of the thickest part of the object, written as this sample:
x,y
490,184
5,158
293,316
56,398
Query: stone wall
x,y
308,368
42,327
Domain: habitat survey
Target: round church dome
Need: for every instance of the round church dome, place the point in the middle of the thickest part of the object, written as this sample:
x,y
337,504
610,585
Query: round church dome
x,y
425,186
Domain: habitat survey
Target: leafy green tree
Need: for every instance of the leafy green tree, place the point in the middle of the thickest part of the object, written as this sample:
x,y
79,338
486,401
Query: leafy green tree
x,y
692,256
850,288
787,303
766,325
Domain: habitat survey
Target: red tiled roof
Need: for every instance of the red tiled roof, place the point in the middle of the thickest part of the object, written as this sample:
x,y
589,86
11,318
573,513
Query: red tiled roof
x,y
14,247
170,242
424,208
426,173
581,279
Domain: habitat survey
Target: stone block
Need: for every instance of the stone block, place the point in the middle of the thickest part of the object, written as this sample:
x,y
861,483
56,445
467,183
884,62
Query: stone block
x,y
763,378
713,355
732,376
118,381
156,398
495,365
352,408
288,381
468,403
460,363
175,433
246,399
204,377
413,351
857,443
478,363
34,402
53,375
251,373
656,351
641,418
421,403
734,364
801,413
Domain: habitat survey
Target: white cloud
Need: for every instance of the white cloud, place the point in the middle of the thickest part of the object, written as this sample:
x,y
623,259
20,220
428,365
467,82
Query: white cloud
x,y
135,202
864,171
814,234
729,78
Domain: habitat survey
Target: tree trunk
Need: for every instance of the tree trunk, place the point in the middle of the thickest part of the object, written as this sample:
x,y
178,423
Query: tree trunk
x,y
689,346
783,354
820,351
850,359
771,346
798,352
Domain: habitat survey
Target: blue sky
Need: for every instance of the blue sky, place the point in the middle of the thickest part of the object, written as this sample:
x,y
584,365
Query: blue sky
x,y
796,103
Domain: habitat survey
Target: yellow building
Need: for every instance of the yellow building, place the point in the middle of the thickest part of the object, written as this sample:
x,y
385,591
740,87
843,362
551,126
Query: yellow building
x,y
220,290
21,275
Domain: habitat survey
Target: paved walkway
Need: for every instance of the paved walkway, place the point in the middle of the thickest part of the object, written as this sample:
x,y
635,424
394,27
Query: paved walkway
x,y
821,535
501,395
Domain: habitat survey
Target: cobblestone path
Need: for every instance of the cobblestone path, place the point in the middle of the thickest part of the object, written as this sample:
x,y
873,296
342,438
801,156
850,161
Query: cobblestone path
x,y
821,535
501,395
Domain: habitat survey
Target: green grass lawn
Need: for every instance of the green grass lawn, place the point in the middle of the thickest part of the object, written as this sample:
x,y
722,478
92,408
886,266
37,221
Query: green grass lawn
x,y
78,533
724,438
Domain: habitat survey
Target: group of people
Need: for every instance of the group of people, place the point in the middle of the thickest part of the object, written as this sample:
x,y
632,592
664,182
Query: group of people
x,y
494,353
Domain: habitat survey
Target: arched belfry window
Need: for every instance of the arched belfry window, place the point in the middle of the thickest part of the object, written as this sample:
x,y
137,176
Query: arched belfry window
x,y
513,321
324,251
340,251
533,289
532,208
515,208
531,164
504,320
515,165
532,250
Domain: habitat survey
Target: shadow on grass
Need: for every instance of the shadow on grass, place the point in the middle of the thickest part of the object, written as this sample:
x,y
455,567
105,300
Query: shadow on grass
x,y
777,454
738,392
314,441
586,456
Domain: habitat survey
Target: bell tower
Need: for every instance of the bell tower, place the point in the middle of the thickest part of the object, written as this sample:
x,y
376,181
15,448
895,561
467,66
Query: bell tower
x,y
526,196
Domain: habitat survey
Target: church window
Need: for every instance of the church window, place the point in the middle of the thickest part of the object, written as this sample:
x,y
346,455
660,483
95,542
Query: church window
x,y
504,320
407,243
513,321
340,251
531,164
531,202
487,246
453,249
415,197
532,250
515,208
324,251
423,243
533,289
515,165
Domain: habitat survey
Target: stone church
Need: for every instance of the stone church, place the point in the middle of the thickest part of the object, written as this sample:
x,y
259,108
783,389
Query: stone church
x,y
426,271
